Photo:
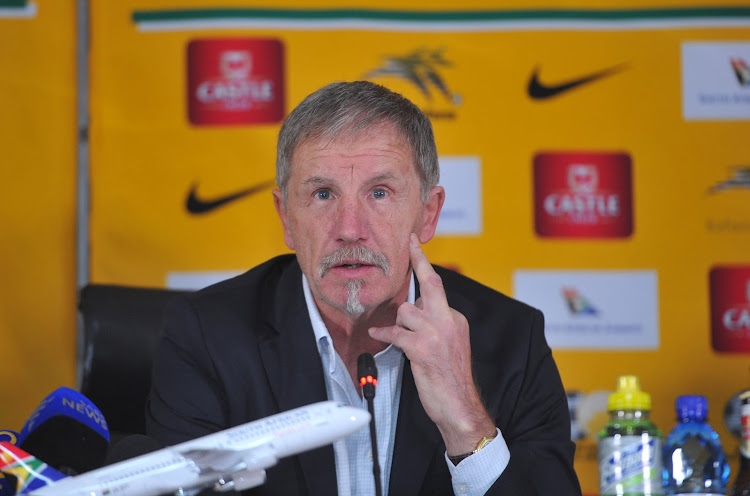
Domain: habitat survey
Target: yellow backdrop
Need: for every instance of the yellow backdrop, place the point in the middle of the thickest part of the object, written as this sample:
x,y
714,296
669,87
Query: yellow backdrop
x,y
38,164
147,155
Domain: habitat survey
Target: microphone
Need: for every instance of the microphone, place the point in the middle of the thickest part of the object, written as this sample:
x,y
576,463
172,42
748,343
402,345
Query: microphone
x,y
8,436
130,447
368,375
368,379
8,484
67,432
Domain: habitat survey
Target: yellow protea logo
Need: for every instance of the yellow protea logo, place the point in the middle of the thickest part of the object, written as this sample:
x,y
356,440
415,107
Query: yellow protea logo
x,y
424,69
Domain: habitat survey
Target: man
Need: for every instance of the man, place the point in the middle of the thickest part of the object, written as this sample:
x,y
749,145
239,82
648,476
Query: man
x,y
469,398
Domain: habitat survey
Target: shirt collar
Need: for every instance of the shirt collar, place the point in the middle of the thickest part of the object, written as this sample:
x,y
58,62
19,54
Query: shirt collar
x,y
322,336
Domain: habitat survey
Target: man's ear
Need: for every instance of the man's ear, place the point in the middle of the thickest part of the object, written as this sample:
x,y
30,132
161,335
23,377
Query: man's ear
x,y
278,202
430,214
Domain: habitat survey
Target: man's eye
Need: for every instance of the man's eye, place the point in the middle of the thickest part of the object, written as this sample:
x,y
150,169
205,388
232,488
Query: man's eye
x,y
379,193
322,194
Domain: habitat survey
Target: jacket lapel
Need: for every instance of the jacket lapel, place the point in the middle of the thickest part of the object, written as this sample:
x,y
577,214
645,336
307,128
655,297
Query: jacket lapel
x,y
294,370
417,438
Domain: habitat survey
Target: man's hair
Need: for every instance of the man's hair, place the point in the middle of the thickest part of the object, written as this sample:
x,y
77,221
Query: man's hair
x,y
350,109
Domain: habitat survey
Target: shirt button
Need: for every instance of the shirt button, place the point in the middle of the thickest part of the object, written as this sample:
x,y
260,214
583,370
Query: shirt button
x,y
461,489
369,455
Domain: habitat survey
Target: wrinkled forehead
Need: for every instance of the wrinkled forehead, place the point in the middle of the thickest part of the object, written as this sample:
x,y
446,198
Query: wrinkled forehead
x,y
357,135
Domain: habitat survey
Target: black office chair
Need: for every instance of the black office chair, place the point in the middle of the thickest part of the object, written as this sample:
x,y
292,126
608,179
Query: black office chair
x,y
120,329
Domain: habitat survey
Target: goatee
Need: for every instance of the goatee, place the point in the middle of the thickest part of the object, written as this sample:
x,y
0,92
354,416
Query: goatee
x,y
353,305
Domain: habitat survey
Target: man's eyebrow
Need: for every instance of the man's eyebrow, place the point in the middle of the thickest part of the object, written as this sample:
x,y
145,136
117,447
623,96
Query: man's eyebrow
x,y
383,177
316,180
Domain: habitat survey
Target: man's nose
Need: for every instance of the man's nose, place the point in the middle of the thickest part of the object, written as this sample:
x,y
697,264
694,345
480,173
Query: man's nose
x,y
351,221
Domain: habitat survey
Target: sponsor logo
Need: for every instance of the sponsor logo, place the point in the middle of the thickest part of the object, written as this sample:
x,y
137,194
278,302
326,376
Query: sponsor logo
x,y
577,304
540,91
739,178
730,308
625,315
423,69
741,70
235,81
716,80
462,211
583,195
196,205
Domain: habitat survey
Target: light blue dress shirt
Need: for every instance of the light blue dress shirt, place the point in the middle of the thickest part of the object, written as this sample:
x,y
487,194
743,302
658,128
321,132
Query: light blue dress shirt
x,y
473,476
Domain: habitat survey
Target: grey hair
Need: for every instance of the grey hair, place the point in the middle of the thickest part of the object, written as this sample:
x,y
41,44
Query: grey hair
x,y
350,109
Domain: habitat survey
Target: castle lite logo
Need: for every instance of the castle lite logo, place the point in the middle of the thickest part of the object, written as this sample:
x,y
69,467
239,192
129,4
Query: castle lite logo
x,y
583,195
730,308
235,81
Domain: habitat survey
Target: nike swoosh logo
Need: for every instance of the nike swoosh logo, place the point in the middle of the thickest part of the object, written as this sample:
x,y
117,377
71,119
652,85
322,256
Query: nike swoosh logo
x,y
539,91
196,205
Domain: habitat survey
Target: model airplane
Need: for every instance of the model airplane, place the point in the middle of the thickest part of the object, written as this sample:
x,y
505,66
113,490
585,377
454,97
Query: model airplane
x,y
231,460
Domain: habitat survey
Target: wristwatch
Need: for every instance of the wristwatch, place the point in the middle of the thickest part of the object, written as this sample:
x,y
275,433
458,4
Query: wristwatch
x,y
482,443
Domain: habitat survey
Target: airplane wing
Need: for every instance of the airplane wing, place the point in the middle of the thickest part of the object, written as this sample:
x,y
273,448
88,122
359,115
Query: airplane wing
x,y
224,461
235,470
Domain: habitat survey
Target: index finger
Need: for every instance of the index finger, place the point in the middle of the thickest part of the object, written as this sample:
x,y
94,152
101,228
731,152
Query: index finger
x,y
430,283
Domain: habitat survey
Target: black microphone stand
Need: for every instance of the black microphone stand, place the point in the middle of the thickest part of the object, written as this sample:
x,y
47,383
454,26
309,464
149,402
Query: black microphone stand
x,y
368,378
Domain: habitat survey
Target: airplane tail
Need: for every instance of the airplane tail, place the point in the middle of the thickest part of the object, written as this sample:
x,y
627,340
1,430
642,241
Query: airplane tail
x,y
29,472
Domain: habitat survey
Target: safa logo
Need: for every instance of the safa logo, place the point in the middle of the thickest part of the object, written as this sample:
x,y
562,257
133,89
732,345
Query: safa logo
x,y
730,308
424,69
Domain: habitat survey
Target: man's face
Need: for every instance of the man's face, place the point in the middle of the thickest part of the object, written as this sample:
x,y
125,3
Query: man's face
x,y
351,206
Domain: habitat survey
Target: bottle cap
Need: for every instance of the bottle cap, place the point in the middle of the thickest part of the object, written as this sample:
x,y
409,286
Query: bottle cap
x,y
628,395
691,406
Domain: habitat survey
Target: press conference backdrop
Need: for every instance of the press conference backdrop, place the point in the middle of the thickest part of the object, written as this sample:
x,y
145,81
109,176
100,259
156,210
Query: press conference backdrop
x,y
595,159
37,218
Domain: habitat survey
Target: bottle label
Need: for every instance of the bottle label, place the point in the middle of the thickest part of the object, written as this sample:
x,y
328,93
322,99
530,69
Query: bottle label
x,y
630,464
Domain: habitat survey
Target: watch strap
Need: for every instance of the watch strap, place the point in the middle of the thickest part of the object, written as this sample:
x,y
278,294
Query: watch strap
x,y
482,443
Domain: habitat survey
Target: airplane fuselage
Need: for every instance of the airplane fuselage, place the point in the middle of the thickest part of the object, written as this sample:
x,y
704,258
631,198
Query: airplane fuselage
x,y
234,459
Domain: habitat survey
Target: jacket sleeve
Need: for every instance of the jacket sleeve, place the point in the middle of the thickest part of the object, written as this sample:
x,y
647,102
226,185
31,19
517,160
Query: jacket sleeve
x,y
186,399
537,430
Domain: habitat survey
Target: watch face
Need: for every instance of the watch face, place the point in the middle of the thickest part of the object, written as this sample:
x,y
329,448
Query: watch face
x,y
484,442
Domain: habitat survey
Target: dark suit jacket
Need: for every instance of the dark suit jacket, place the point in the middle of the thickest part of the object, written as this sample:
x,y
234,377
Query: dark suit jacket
x,y
244,349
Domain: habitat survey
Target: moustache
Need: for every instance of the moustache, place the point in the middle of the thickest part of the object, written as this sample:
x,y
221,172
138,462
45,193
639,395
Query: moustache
x,y
346,254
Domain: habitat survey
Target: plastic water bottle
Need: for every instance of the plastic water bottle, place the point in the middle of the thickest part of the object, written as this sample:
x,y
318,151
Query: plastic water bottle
x,y
694,461
630,444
